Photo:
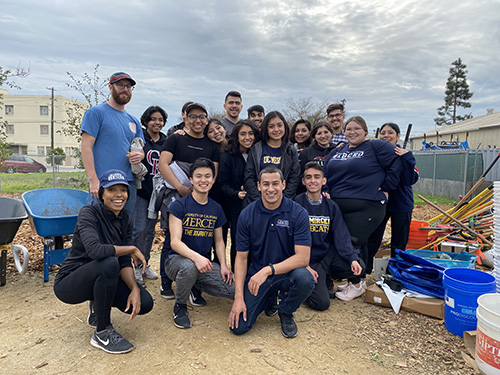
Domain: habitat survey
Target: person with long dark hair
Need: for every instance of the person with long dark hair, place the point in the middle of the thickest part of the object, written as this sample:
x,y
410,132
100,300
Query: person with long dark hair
x,y
321,134
232,173
98,267
400,204
300,134
359,175
153,120
273,149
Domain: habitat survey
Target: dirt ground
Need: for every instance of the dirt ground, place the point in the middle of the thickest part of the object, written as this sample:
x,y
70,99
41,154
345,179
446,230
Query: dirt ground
x,y
41,335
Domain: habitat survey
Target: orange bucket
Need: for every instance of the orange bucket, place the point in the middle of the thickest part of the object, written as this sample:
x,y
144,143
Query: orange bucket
x,y
417,238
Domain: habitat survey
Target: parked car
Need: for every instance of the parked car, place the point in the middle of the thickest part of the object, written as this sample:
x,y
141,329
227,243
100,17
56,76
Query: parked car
x,y
22,163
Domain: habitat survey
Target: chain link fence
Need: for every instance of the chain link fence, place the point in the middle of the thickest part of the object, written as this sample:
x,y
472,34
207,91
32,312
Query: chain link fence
x,y
452,173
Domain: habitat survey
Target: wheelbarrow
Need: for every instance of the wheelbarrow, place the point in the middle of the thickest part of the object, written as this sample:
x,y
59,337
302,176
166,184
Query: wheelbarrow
x,y
11,216
53,214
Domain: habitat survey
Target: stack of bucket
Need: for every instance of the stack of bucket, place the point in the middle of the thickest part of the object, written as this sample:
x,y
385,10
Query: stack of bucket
x,y
488,310
496,242
417,237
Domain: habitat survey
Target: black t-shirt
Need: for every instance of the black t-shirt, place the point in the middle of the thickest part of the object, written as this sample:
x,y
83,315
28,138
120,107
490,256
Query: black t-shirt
x,y
187,149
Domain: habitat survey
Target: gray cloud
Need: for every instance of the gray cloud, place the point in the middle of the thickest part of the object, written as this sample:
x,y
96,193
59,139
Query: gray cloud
x,y
389,59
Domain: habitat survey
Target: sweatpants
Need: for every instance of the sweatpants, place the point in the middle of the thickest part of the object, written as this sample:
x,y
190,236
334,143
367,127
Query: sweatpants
x,y
185,274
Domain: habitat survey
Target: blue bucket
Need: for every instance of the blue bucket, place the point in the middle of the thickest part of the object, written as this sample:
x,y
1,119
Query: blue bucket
x,y
462,288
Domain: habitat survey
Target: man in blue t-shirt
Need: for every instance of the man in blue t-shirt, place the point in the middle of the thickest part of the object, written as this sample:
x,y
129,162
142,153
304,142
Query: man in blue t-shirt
x,y
107,132
274,240
332,253
195,222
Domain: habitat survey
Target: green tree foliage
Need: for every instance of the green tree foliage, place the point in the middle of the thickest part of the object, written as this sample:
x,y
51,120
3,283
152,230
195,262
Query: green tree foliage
x,y
55,157
457,95
91,87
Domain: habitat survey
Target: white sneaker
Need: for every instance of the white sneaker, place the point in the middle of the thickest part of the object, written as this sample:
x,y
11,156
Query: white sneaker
x,y
138,275
150,274
350,292
342,287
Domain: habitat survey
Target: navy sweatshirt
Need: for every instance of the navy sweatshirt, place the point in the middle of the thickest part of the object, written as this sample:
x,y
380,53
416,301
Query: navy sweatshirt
x,y
152,151
328,228
364,171
401,198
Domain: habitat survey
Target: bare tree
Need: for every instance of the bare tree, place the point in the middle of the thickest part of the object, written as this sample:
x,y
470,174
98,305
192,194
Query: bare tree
x,y
304,108
91,88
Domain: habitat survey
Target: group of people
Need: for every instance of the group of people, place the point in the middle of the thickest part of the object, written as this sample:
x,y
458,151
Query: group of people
x,y
304,205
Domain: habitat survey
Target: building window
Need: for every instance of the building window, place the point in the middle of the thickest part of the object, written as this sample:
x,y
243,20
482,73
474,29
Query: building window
x,y
44,129
44,110
41,150
9,109
68,151
70,112
9,129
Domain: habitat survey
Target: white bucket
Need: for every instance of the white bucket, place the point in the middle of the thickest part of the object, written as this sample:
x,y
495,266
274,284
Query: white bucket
x,y
488,333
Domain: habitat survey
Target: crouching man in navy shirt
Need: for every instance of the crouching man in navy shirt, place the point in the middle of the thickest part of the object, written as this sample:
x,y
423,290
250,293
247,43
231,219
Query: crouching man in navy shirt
x,y
273,237
195,222
332,253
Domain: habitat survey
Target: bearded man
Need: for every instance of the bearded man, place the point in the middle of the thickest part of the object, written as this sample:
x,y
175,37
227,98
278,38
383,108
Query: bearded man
x,y
107,132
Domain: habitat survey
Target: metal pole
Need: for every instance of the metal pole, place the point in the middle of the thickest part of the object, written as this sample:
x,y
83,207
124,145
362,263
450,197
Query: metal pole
x,y
434,176
52,123
465,171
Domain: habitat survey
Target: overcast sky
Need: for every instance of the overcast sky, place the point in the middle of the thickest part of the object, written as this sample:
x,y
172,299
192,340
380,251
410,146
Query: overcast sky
x,y
388,59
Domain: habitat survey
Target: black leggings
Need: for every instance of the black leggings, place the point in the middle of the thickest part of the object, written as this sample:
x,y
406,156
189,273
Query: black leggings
x,y
99,281
362,217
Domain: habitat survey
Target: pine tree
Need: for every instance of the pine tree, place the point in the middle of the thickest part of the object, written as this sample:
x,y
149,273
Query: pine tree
x,y
457,95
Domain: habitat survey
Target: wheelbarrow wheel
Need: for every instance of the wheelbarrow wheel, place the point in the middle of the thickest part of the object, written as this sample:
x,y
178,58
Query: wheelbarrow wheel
x,y
16,251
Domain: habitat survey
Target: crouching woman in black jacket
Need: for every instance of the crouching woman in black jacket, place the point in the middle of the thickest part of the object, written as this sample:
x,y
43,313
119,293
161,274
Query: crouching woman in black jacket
x,y
98,267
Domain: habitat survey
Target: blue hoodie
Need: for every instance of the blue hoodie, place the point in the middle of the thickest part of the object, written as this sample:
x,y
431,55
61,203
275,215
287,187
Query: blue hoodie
x,y
362,172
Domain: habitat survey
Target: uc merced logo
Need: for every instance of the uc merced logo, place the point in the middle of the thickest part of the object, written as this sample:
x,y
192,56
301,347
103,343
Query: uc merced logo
x,y
282,223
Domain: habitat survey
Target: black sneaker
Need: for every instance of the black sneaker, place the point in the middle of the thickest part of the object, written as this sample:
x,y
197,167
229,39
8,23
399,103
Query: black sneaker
x,y
181,318
110,341
288,326
92,318
166,291
272,308
195,297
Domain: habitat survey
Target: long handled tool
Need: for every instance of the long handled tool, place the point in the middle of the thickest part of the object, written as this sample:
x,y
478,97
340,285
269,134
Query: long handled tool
x,y
456,221
479,182
407,135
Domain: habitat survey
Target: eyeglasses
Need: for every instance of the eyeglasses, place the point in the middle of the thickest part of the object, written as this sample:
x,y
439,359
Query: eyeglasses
x,y
335,115
122,86
194,117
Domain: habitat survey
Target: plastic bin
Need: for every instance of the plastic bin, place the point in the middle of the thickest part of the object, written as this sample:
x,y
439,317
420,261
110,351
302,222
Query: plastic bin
x,y
459,260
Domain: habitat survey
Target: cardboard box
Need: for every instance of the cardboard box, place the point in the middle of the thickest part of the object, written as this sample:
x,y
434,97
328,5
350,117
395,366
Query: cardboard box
x,y
428,306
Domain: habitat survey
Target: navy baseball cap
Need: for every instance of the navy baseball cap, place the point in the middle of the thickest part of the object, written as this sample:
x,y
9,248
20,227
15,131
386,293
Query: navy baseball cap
x,y
113,177
119,76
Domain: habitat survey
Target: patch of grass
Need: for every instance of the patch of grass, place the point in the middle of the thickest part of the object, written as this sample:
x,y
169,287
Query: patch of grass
x,y
22,182
434,199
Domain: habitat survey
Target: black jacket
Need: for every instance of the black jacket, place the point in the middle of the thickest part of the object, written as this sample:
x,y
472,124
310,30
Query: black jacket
x,y
289,166
97,231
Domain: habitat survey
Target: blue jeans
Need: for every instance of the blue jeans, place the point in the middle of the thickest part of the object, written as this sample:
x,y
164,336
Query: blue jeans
x,y
144,228
298,284
129,206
